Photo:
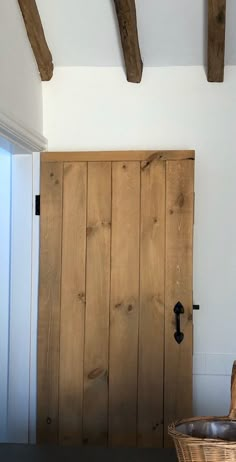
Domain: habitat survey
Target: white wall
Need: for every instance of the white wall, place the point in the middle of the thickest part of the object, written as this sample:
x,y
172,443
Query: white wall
x,y
20,85
173,108
5,226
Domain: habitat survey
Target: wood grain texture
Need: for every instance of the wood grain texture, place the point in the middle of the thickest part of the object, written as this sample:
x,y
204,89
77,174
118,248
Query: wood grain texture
x,y
73,303
126,15
95,409
49,303
116,156
36,37
216,40
124,315
178,287
232,412
100,367
151,330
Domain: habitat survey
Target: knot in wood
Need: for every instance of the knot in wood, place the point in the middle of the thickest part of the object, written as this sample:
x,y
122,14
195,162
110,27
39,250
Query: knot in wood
x,y
221,17
180,200
97,373
81,297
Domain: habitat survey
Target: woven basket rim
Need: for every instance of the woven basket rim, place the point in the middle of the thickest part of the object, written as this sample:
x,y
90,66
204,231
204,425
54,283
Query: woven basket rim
x,y
188,439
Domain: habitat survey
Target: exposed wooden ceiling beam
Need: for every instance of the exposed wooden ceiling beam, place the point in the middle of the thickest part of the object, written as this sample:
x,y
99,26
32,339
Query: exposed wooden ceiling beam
x,y
36,37
216,40
126,14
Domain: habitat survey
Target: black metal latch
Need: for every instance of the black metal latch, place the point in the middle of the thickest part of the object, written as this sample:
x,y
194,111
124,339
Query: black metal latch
x,y
178,310
37,204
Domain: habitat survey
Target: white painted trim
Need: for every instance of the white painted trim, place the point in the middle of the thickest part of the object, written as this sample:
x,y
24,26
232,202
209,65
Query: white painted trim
x,y
14,131
5,252
20,303
34,302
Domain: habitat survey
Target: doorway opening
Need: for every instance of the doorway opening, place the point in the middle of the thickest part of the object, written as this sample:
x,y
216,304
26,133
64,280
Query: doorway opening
x,y
18,309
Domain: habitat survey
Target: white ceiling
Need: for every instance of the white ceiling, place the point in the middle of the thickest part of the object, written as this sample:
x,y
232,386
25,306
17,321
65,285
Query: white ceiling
x,y
171,32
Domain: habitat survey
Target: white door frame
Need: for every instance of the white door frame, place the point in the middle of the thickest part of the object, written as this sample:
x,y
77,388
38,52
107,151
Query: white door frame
x,y
22,383
20,300
5,212
20,372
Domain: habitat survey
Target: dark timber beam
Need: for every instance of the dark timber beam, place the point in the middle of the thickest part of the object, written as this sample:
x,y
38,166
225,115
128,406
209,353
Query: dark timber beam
x,y
36,37
216,40
126,14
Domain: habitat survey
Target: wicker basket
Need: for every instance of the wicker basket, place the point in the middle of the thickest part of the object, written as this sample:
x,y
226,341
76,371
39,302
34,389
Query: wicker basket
x,y
207,439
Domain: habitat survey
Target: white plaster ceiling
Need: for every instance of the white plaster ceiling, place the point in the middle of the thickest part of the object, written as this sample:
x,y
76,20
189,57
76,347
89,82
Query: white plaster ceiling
x,y
171,32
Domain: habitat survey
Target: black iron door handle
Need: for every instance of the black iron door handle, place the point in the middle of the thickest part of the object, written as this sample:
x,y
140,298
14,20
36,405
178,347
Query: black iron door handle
x,y
178,310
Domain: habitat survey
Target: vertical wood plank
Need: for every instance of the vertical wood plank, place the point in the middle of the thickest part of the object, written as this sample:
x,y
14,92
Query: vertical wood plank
x,y
49,302
151,336
178,287
124,314
216,40
73,302
95,409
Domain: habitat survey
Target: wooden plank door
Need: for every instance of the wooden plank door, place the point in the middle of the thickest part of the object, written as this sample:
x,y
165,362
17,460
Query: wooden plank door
x,y
115,258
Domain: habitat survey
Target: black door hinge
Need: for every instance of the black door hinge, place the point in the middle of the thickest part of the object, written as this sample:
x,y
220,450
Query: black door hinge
x,y
37,204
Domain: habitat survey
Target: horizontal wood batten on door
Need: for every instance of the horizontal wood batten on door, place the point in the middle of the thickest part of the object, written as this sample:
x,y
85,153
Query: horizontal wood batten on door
x,y
116,156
